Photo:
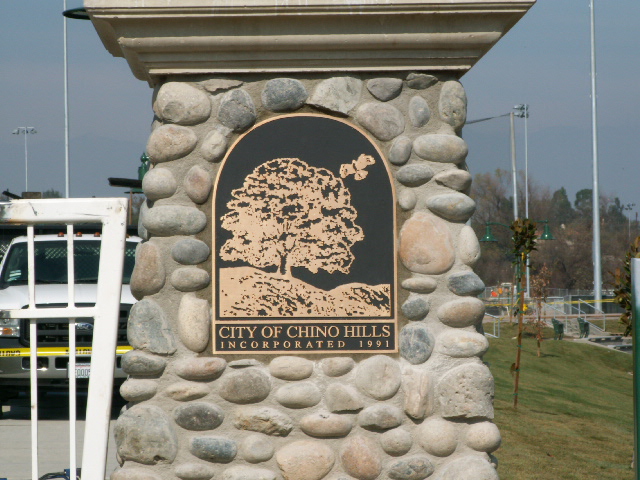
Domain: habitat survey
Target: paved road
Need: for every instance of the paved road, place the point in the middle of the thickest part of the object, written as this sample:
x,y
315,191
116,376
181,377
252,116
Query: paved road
x,y
15,437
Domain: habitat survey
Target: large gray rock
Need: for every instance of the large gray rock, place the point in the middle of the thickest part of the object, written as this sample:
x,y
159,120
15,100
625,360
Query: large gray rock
x,y
416,307
190,279
441,148
305,460
416,343
337,94
417,467
148,328
378,377
284,95
384,89
169,220
291,368
466,391
144,434
420,81
460,343
454,178
199,368
342,398
263,420
326,425
462,312
149,274
465,283
256,448
474,467
419,113
361,457
179,102
380,416
426,245
453,104
237,110
414,175
140,363
138,390
213,449
298,395
456,207
384,121
170,142
194,322
197,184
198,416
190,251
400,150
249,385
159,183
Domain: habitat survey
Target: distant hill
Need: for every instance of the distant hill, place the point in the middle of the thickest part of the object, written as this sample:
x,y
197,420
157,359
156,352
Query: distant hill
x,y
250,292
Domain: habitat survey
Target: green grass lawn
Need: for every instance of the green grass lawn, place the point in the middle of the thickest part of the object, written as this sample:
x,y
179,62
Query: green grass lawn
x,y
575,412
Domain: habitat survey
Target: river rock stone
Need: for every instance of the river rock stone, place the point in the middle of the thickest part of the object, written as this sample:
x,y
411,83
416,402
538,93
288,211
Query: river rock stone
x,y
384,89
396,442
384,121
159,183
378,377
441,148
249,385
420,284
361,457
237,110
326,425
305,460
190,251
181,103
419,113
200,368
291,368
416,343
456,207
337,366
217,85
244,363
468,246
407,199
148,328
453,104
137,390
169,220
284,95
133,474
474,467
466,391
241,472
256,448
197,184
465,283
460,343
263,420
437,436
214,146
186,391
342,398
417,467
170,142
416,307
420,81
144,434
454,178
426,245
213,449
417,387
144,209
400,150
298,395
194,471
483,437
140,363
414,175
462,312
194,322
380,417
190,279
337,94
198,416
148,275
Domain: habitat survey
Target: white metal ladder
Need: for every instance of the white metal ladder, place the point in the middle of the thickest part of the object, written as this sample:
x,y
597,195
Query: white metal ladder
x,y
112,214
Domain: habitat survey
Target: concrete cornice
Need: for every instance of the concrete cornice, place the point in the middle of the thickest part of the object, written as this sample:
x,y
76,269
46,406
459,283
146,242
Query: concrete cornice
x,y
176,37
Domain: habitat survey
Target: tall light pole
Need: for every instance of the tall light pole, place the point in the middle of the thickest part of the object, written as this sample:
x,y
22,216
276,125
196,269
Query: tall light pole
x,y
522,110
628,207
26,131
66,103
597,264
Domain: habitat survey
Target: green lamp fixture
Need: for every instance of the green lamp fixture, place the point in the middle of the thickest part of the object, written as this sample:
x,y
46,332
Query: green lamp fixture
x,y
488,235
546,233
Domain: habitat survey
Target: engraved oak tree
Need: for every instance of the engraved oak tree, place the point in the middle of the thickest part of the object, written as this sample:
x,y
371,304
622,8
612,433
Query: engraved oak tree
x,y
290,214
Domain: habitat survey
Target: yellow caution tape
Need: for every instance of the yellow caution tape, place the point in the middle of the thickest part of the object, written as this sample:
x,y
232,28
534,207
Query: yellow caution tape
x,y
532,302
54,351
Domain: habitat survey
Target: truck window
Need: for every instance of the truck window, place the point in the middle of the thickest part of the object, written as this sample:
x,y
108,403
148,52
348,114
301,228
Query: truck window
x,y
51,262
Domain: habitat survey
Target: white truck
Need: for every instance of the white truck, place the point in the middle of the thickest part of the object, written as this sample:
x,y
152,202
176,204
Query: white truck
x,y
51,289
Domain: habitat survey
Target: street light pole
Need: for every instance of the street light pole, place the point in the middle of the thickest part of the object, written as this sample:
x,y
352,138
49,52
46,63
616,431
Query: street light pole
x,y
513,166
66,104
25,131
523,112
597,264
628,207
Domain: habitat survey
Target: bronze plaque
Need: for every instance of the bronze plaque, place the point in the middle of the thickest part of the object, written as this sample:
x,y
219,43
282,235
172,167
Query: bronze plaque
x,y
304,241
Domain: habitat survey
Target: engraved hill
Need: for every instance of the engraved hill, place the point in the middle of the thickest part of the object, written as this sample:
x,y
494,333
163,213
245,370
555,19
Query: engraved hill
x,y
250,292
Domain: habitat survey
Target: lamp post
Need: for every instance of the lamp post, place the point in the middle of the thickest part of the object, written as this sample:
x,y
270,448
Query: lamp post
x,y
26,131
522,110
628,207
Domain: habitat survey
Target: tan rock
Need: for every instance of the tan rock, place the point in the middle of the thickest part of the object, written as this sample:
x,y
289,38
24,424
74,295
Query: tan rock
x,y
425,244
462,312
437,436
361,458
305,460
468,246
148,275
417,386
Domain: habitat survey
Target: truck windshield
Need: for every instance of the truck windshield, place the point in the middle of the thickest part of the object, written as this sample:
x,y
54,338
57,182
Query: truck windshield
x,y
51,262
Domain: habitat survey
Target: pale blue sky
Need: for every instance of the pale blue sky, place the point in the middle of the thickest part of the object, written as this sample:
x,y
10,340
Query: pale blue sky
x,y
542,61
